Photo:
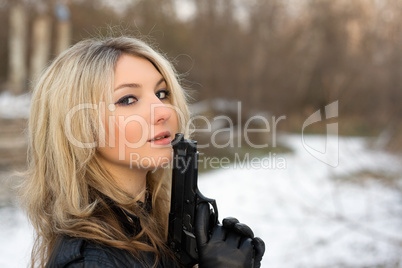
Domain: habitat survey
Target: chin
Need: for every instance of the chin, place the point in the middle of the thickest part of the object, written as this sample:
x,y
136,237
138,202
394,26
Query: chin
x,y
152,161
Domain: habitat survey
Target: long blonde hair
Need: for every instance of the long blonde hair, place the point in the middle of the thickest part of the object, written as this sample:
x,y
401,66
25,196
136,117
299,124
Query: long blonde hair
x,y
64,189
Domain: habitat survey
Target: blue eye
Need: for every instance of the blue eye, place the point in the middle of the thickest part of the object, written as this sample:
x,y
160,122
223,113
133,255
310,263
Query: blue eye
x,y
126,100
163,94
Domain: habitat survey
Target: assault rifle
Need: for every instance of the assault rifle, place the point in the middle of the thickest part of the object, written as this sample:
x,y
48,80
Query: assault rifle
x,y
184,200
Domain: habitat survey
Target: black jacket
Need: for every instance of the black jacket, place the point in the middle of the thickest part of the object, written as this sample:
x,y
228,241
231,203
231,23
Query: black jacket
x,y
79,253
72,252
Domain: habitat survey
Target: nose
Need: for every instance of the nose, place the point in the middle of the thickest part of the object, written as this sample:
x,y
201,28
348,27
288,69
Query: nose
x,y
161,113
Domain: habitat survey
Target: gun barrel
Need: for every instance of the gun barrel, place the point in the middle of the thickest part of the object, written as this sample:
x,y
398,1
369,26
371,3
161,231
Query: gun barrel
x,y
185,197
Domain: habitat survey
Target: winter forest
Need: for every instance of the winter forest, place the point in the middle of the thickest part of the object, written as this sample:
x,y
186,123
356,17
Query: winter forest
x,y
300,98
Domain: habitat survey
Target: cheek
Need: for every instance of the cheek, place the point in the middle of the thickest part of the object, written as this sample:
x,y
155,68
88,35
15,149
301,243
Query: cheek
x,y
174,124
120,131
132,130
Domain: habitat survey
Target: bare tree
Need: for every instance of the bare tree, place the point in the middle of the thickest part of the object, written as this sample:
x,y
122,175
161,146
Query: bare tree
x,y
41,41
17,70
63,32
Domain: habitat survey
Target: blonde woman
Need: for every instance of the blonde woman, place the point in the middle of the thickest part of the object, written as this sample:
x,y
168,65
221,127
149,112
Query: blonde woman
x,y
102,118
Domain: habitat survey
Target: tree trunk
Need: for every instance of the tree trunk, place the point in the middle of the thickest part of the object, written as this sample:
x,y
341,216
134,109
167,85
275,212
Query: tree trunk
x,y
63,36
63,28
17,75
41,44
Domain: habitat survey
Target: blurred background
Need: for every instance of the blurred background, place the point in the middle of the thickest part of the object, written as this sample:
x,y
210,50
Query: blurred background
x,y
276,58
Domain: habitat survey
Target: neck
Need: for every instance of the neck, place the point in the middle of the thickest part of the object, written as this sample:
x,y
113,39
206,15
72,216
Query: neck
x,y
132,181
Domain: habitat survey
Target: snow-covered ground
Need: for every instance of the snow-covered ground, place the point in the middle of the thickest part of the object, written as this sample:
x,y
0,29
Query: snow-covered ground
x,y
16,236
308,213
14,106
312,215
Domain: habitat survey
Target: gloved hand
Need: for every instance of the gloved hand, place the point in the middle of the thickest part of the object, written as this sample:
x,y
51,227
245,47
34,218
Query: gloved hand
x,y
229,245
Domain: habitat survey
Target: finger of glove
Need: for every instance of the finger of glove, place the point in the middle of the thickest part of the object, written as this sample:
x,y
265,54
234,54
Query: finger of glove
x,y
233,239
247,244
202,223
259,248
219,234
243,229
229,222
247,249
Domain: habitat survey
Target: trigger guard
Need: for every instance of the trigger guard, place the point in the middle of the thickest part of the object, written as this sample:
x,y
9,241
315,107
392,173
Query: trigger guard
x,y
213,211
201,199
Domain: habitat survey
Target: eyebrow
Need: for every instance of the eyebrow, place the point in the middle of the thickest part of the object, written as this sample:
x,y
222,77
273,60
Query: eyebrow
x,y
135,85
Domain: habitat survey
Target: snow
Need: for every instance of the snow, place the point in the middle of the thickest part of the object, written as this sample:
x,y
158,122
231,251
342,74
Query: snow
x,y
14,106
16,238
309,213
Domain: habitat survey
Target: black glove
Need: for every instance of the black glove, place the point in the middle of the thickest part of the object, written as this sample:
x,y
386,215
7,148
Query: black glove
x,y
229,245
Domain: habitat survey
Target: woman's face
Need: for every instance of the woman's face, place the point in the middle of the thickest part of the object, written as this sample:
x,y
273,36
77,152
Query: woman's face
x,y
142,122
